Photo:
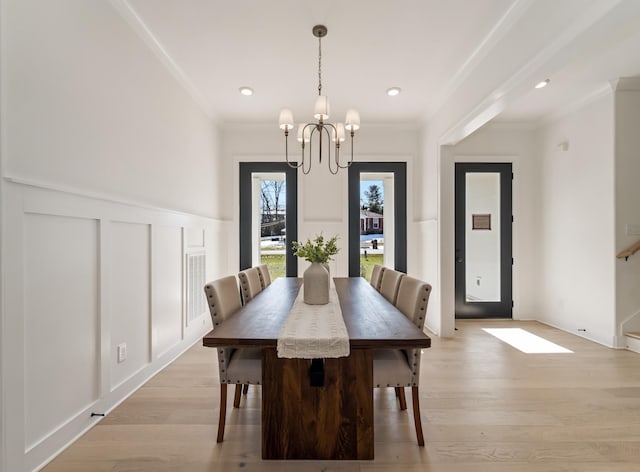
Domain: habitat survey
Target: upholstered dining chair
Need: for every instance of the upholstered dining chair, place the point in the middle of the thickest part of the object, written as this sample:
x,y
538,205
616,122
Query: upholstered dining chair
x,y
376,276
265,276
236,366
400,368
389,283
250,284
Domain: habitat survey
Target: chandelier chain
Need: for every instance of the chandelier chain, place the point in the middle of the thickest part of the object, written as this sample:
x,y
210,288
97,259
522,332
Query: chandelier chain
x,y
319,66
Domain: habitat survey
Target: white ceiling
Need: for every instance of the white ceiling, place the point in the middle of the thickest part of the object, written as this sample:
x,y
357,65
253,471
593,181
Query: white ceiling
x,y
437,51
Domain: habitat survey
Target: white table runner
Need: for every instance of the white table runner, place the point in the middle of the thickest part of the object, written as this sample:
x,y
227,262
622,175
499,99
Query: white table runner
x,y
314,331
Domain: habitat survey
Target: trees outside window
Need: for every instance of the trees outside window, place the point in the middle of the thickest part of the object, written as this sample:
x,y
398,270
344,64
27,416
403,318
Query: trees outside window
x,y
272,194
374,201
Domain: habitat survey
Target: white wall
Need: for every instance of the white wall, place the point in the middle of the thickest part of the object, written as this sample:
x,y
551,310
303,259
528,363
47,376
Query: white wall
x,y
576,245
3,448
322,197
564,229
109,175
627,201
90,107
427,212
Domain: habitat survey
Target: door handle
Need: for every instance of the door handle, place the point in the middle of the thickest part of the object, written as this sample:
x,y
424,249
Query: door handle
x,y
459,260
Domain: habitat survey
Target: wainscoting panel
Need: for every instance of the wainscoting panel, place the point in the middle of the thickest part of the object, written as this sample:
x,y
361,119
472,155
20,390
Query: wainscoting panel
x,y
88,274
61,321
167,300
130,282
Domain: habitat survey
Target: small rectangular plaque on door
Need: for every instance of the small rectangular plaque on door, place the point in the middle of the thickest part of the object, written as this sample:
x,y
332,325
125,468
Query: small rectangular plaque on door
x,y
481,221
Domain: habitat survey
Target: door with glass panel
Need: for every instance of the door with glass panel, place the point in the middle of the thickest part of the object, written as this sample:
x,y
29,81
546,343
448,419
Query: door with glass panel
x,y
483,240
377,217
268,217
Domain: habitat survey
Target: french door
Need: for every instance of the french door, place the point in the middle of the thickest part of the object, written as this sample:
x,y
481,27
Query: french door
x,y
483,240
377,226
268,216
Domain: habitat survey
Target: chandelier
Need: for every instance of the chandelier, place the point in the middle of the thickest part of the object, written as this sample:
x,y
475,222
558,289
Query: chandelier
x,y
322,131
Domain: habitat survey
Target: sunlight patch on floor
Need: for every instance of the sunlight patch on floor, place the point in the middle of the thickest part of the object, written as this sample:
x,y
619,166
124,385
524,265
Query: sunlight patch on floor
x,y
525,341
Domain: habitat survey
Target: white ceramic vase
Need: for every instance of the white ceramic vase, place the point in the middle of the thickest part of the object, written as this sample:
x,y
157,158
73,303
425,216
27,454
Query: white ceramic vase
x,y
316,284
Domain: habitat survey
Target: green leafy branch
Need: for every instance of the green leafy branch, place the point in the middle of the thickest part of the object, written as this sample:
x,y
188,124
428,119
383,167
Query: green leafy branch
x,y
317,250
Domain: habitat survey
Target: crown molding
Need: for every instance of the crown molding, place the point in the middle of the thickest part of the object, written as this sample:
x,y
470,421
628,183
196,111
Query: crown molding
x,y
126,11
520,81
497,33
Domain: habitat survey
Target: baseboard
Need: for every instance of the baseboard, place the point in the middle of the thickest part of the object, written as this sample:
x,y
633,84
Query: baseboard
x,y
582,334
632,343
49,448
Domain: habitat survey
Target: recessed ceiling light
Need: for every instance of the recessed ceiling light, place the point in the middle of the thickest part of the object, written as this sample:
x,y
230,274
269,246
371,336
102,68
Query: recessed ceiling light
x,y
246,91
393,91
544,83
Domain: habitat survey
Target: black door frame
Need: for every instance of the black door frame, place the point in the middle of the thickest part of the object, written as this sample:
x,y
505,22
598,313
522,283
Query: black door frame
x,y
399,171
291,176
504,308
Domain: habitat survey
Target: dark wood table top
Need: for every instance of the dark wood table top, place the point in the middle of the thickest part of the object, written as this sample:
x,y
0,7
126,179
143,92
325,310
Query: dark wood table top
x,y
372,322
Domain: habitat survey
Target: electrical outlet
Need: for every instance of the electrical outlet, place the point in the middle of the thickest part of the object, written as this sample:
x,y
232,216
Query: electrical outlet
x,y
122,352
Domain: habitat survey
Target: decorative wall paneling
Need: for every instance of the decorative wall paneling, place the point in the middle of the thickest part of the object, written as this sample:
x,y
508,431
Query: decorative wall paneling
x,y
87,275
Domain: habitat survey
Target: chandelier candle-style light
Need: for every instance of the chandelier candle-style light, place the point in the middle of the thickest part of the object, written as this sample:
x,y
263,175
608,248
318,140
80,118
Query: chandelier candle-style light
x,y
321,130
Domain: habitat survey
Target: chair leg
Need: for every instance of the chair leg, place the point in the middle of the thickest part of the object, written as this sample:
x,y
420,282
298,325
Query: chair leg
x,y
236,396
416,415
223,412
245,389
401,398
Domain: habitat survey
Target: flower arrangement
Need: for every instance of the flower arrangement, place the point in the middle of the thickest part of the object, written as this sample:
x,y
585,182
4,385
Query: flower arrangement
x,y
317,250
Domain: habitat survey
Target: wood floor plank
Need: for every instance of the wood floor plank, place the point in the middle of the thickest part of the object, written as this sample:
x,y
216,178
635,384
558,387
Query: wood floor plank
x,y
485,406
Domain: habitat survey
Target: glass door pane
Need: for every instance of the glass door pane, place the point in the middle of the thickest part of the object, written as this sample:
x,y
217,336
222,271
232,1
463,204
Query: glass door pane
x,y
376,221
270,217
482,241
389,228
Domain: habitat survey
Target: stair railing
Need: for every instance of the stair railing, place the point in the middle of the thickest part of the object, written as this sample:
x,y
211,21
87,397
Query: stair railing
x,y
630,251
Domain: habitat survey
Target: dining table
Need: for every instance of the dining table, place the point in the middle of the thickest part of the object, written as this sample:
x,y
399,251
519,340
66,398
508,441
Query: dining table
x,y
320,408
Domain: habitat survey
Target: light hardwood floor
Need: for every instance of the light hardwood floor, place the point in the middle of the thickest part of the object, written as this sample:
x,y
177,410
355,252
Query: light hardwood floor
x,y
485,407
